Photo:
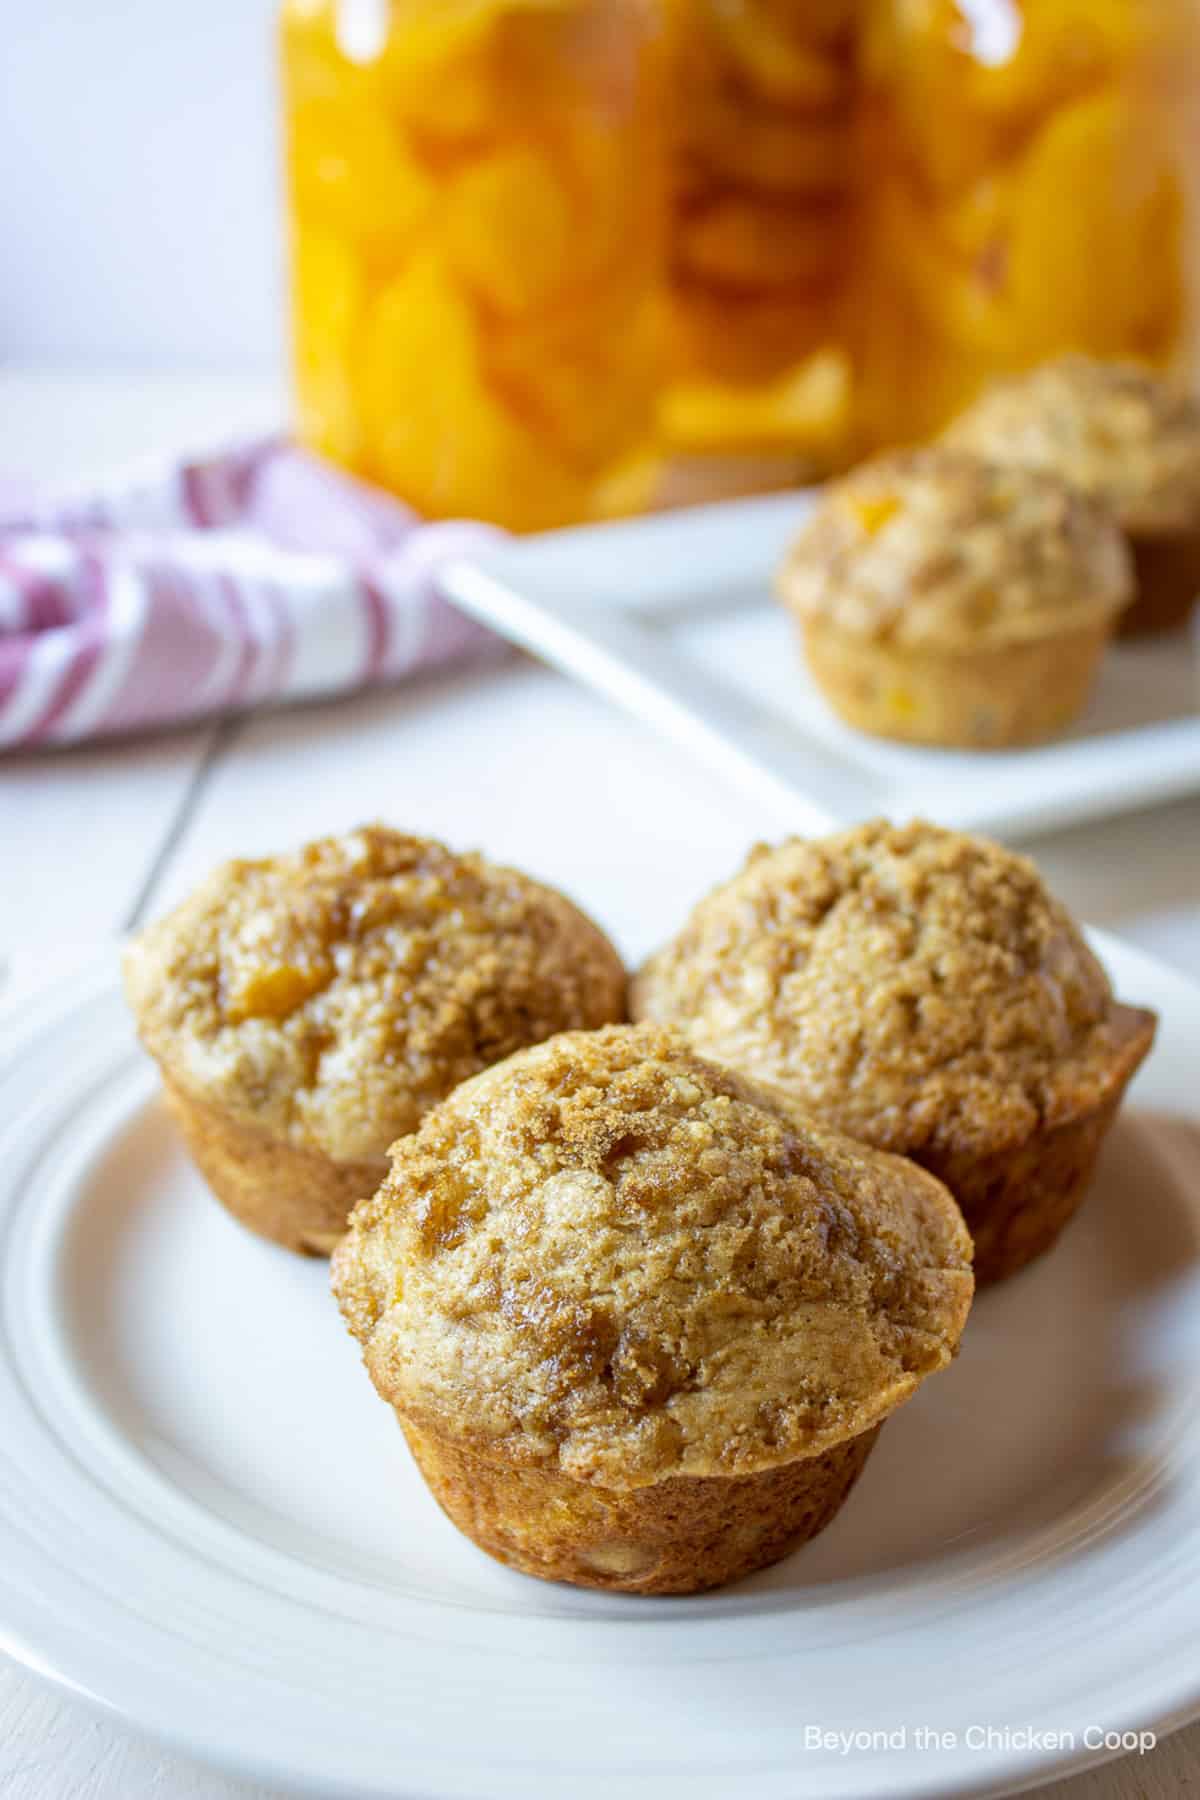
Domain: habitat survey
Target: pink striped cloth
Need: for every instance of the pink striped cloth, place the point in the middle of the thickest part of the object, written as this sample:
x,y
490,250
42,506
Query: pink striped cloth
x,y
257,575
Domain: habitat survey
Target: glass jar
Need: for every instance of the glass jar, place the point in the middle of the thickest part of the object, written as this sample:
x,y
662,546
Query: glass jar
x,y
478,203
1028,162
761,230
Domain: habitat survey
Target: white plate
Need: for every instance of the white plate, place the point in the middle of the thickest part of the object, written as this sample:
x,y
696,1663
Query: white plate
x,y
672,618
210,1525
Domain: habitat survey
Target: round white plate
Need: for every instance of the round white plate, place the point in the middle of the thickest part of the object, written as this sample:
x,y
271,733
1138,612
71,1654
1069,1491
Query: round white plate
x,y
210,1525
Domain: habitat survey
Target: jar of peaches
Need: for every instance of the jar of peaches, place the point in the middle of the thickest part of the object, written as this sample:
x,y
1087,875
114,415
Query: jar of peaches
x,y
478,200
1026,170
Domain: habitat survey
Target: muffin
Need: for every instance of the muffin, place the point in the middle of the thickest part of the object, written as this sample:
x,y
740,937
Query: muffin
x,y
922,991
639,1320
305,1010
1128,438
942,600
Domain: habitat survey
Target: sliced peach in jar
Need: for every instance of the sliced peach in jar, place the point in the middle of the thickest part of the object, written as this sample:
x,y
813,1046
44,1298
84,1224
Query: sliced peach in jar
x,y
438,435
910,379
1053,52
781,153
442,77
596,56
916,69
974,223
351,176
1093,251
819,21
806,409
773,58
966,303
585,380
460,72
615,178
629,488
315,65
327,304
745,338
508,228
745,242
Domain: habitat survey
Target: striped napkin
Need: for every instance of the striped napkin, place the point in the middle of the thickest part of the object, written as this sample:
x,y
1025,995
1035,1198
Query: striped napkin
x,y
258,575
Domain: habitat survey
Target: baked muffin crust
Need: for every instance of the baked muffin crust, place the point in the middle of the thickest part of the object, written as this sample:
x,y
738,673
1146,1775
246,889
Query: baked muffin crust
x,y
609,1258
914,986
1117,431
935,549
332,996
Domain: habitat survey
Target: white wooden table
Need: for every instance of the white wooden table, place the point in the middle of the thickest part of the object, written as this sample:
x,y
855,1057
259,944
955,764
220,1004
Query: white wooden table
x,y
516,761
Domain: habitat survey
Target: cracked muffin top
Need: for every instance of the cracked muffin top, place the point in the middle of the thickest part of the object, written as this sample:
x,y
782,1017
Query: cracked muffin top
x,y
332,996
1116,431
936,549
610,1257
910,985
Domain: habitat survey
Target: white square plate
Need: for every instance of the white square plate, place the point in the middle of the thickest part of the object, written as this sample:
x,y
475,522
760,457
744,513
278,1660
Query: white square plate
x,y
672,618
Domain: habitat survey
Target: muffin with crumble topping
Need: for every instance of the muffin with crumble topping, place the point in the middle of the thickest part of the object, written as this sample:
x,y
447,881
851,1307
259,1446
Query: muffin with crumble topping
x,y
944,600
920,990
641,1320
306,1010
1128,438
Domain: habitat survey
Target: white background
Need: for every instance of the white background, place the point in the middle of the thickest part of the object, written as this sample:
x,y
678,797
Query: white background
x,y
139,212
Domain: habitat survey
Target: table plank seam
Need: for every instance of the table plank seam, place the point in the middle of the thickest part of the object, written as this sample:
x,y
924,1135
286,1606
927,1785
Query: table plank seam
x,y
219,746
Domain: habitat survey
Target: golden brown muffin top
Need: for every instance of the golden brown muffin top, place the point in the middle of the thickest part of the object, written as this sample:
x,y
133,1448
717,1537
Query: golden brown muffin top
x,y
1117,431
915,987
610,1257
938,550
334,995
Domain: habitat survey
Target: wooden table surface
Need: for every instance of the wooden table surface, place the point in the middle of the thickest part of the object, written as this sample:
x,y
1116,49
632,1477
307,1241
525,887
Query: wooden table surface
x,y
94,840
